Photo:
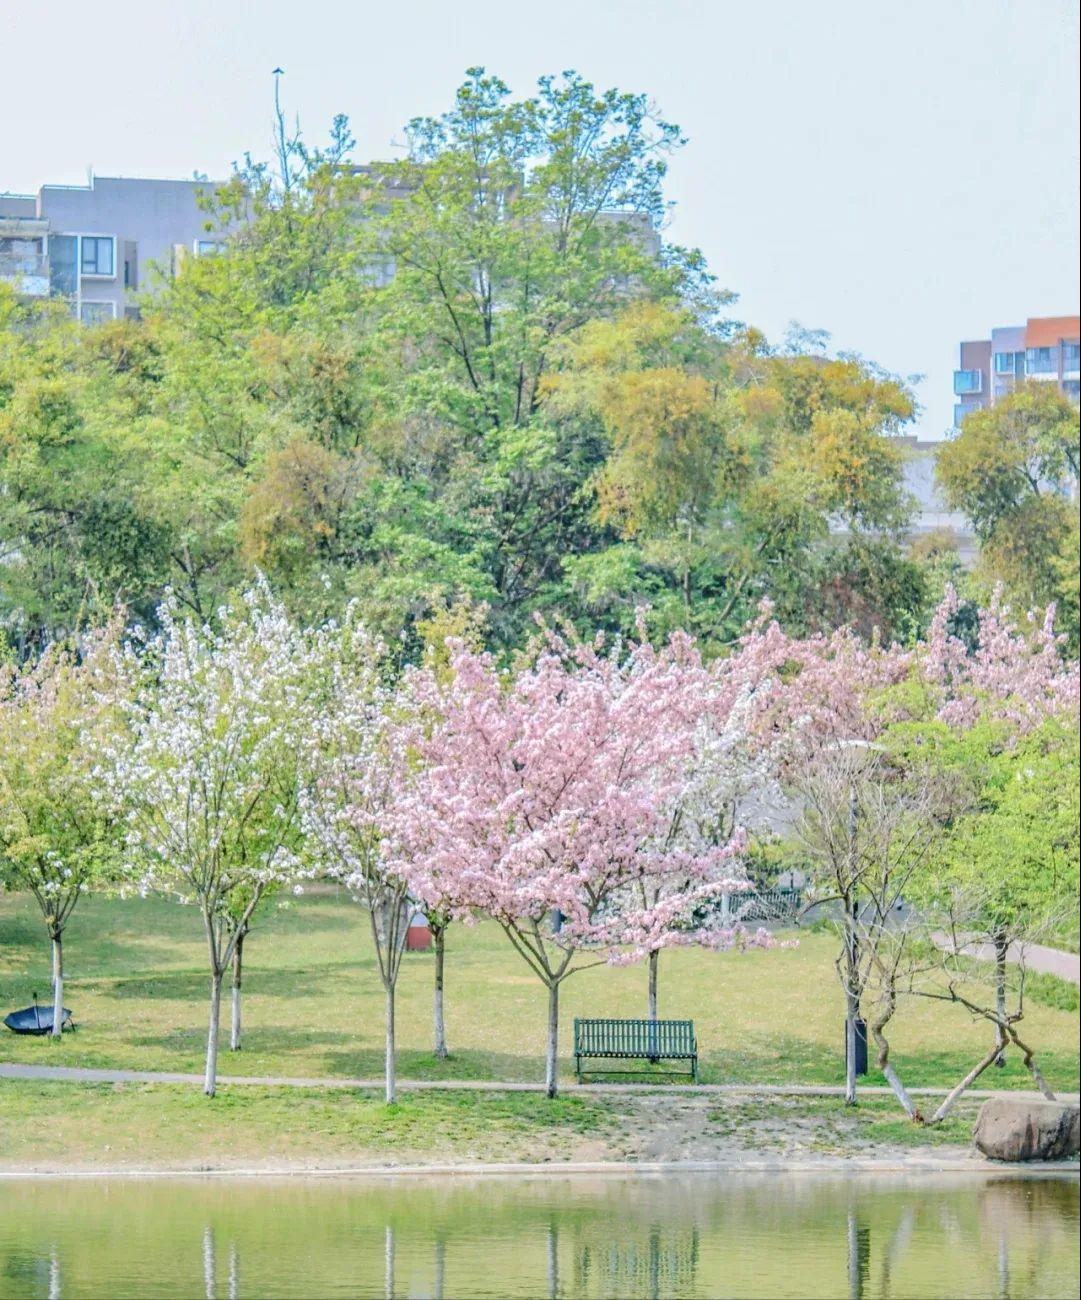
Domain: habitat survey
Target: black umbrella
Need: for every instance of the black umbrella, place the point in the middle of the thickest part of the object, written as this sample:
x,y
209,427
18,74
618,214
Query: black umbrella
x,y
36,1020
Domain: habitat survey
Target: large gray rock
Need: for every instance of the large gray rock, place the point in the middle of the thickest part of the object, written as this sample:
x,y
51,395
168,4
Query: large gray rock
x,y
1021,1128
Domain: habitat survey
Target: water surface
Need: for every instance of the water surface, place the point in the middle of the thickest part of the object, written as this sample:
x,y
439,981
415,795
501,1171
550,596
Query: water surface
x,y
691,1235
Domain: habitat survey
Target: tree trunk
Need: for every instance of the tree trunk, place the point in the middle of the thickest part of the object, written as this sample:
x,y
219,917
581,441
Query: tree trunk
x,y
889,1073
852,1009
238,961
1001,949
391,1081
551,1085
954,1095
210,1083
1031,1066
652,997
58,985
439,938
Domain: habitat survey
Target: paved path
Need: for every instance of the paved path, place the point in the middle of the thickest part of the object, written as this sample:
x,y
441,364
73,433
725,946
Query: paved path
x,y
75,1074
1050,961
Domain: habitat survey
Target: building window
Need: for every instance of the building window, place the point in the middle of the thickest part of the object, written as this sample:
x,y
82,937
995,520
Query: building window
x,y
1072,389
1005,363
1071,356
967,381
1039,361
94,313
208,247
97,255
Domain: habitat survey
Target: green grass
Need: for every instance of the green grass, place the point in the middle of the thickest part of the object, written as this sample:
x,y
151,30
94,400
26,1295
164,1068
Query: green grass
x,y
141,1125
118,1125
313,1005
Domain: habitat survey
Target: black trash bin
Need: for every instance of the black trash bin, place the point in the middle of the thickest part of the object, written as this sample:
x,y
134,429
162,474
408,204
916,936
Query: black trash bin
x,y
861,1047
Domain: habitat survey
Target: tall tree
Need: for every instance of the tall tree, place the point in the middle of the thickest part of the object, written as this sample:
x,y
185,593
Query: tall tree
x,y
1012,469
727,466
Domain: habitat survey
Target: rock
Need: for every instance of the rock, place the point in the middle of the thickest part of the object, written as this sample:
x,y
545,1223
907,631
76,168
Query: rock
x,y
1026,1129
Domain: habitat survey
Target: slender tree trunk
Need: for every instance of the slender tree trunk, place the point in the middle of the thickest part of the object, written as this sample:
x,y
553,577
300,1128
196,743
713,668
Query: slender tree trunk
x,y
210,1083
238,964
439,938
891,1076
852,1009
954,1095
652,997
391,1080
1031,1066
551,1085
1001,949
58,984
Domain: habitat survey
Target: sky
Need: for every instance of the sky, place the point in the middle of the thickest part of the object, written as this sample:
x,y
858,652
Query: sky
x,y
901,175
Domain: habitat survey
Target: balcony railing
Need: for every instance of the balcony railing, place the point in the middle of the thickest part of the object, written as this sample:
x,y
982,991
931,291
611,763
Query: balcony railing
x,y
967,381
28,273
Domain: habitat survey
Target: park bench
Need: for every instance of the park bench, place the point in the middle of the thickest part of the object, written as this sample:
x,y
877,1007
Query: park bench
x,y
647,1040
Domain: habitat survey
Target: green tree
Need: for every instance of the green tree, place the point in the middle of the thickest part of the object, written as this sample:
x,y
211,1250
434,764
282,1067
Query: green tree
x,y
726,466
56,839
1013,469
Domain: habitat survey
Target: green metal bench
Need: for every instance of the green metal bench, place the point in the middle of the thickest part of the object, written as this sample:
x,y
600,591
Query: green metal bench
x,y
646,1040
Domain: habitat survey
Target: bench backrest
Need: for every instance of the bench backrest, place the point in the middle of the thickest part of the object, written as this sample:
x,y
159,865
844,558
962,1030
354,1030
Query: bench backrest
x,y
635,1037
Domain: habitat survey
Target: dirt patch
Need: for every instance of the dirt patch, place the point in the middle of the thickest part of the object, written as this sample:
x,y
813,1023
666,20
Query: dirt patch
x,y
682,1127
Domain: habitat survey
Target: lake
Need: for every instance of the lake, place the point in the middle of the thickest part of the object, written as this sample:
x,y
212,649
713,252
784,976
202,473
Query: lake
x,y
744,1235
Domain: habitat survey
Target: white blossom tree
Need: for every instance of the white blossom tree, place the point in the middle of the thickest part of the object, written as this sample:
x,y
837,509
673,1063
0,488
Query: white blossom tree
x,y
357,753
208,773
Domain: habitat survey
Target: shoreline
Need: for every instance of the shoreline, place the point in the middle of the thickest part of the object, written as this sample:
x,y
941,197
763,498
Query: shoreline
x,y
835,1165
568,1087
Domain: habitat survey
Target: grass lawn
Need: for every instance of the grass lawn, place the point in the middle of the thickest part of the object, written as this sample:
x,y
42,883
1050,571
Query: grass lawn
x,y
136,1125
313,1005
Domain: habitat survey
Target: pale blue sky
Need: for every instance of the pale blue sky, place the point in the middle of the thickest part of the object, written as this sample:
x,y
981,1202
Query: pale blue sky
x,y
903,175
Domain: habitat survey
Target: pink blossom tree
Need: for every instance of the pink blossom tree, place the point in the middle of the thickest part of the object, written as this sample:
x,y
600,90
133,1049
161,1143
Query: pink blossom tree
x,y
1017,672
543,799
830,704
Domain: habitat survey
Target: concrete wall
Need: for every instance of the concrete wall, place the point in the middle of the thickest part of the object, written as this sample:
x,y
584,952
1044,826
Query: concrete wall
x,y
150,214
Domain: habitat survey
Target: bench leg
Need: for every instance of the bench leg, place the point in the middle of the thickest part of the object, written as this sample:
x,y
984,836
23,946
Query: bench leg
x,y
578,1067
694,1069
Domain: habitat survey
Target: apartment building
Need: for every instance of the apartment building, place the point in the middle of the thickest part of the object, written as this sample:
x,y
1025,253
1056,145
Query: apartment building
x,y
95,245
1046,349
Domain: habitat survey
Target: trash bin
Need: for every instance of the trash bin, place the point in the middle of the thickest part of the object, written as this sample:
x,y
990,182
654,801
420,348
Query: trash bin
x,y
861,1047
418,936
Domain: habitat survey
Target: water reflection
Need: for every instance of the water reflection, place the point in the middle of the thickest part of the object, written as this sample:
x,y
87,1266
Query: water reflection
x,y
565,1238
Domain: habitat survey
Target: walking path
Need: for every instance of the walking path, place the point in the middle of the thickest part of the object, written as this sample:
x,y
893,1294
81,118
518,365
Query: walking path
x,y
75,1074
1038,957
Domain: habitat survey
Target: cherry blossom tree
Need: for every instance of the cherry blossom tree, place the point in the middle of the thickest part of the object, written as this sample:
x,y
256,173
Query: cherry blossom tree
x,y
208,772
725,763
56,839
972,711
358,758
543,797
1017,672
